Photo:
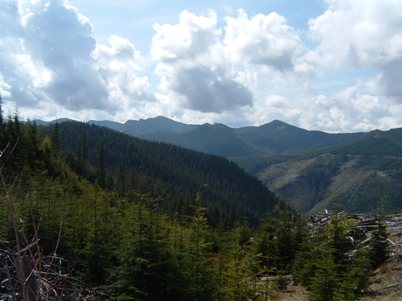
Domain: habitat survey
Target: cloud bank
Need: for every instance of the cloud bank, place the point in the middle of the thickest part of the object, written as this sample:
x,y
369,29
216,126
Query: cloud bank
x,y
341,73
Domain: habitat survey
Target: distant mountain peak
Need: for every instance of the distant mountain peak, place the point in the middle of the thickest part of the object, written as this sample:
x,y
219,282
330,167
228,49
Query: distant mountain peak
x,y
277,125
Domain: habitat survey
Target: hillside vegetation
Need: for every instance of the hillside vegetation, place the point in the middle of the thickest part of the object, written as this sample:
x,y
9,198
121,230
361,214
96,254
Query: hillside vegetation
x,y
175,174
70,226
312,170
361,175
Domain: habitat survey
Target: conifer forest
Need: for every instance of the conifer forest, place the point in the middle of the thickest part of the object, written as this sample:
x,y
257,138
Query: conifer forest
x,y
87,213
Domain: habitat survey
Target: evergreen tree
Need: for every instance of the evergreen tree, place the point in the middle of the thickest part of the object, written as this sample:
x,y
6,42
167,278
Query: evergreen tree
x,y
379,245
326,281
101,172
55,137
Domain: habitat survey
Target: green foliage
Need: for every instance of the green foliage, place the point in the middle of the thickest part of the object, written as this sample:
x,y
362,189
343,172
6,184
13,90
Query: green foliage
x,y
282,283
119,162
325,265
132,237
379,244
278,240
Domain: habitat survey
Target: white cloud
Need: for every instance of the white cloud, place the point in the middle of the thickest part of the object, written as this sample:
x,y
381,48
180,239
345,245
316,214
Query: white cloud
x,y
265,40
361,32
15,66
240,69
364,34
356,108
58,36
118,63
49,58
275,106
193,68
193,37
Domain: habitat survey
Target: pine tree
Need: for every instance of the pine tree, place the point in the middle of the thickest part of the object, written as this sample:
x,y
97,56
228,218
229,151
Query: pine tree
x,y
55,137
101,172
379,245
358,278
326,280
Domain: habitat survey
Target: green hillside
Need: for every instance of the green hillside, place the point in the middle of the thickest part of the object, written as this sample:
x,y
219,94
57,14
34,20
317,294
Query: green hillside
x,y
85,215
361,175
276,137
216,139
117,160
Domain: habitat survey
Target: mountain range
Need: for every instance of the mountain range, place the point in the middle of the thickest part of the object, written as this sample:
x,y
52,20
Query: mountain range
x,y
273,138
313,170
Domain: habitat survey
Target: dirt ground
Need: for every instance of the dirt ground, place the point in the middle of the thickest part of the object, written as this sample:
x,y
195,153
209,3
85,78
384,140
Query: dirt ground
x,y
386,285
293,293
387,282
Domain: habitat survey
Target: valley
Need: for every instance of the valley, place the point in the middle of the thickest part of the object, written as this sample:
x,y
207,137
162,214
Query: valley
x,y
312,170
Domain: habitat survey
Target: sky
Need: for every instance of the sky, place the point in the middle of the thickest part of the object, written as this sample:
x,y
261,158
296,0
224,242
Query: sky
x,y
331,65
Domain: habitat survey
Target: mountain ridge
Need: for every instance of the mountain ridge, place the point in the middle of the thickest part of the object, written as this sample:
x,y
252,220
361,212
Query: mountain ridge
x,y
275,137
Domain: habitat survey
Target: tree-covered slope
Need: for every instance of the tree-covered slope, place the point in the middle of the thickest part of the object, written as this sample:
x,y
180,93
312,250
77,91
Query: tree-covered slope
x,y
361,175
117,160
64,237
275,137
278,137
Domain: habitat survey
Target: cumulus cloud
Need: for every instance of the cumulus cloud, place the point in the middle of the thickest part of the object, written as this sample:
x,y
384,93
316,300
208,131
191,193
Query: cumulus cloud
x,y
361,32
48,54
192,65
58,36
191,38
15,71
209,90
119,62
265,40
364,34
241,69
355,108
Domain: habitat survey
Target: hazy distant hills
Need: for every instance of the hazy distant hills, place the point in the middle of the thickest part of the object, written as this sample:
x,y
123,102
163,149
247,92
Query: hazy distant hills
x,y
272,138
142,127
276,137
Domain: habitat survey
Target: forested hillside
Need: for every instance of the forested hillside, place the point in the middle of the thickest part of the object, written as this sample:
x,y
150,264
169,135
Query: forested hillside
x,y
67,237
273,138
362,175
119,162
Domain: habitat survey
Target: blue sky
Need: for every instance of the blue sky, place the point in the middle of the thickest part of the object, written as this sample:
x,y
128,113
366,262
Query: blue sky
x,y
135,19
332,65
